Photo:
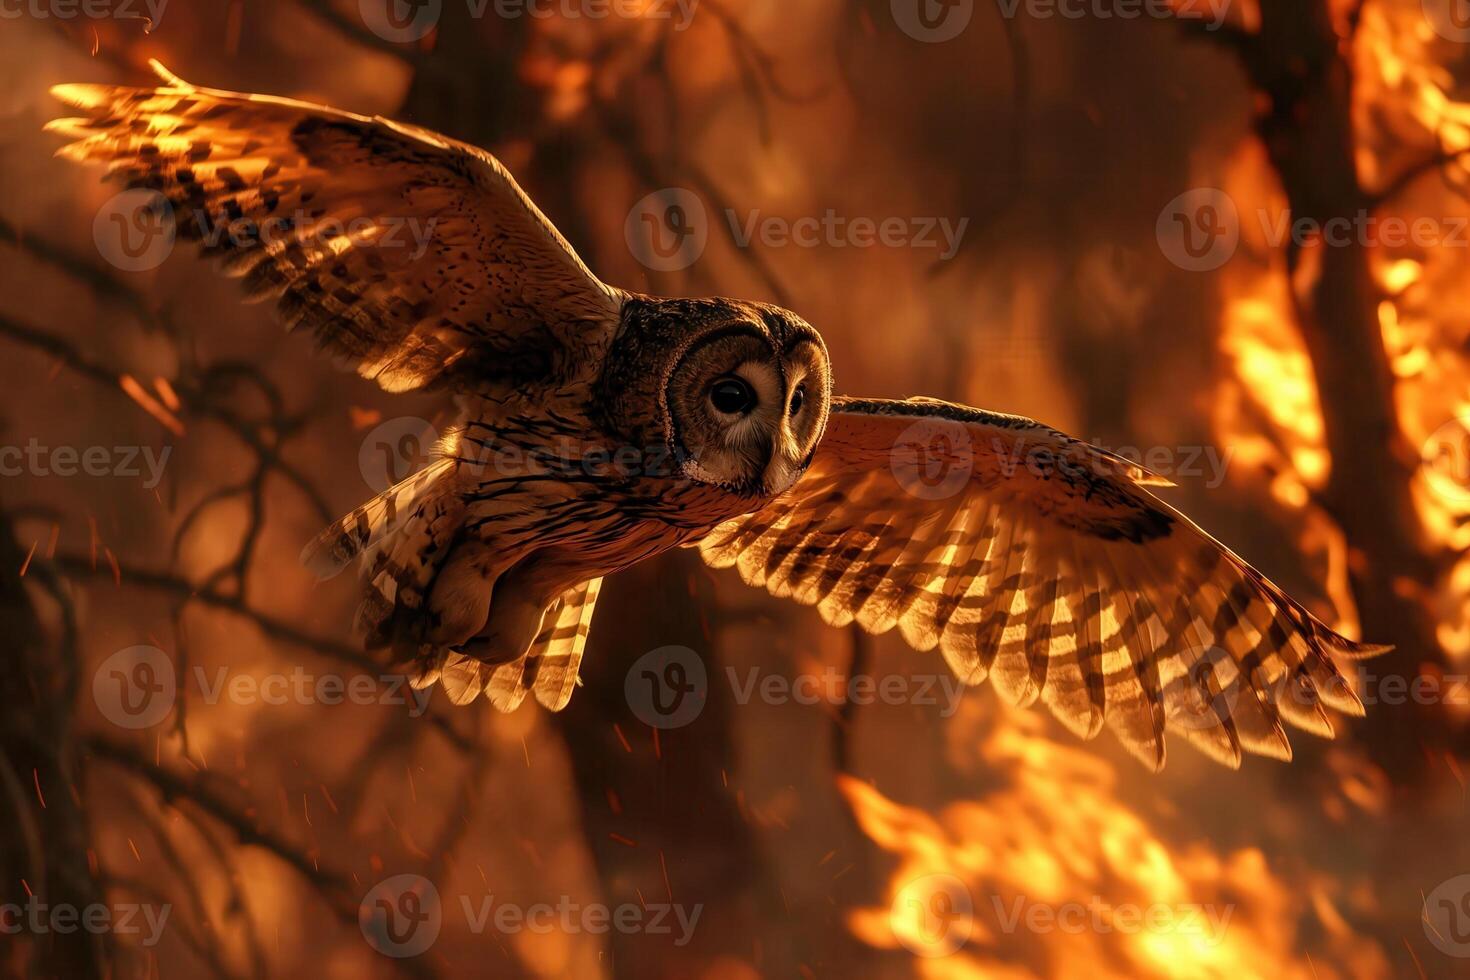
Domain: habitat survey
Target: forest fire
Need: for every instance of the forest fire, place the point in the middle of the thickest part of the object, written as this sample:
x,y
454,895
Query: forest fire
x,y
1267,408
1404,85
1049,874
1237,232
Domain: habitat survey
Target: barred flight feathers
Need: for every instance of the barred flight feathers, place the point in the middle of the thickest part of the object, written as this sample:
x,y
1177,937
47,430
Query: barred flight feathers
x,y
1044,564
548,669
415,258
556,655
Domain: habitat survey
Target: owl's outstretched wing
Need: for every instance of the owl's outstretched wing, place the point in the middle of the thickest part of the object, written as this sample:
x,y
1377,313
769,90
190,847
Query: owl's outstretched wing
x,y
416,258
1044,564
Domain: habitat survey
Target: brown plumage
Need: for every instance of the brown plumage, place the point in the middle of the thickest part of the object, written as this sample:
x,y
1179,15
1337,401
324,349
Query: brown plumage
x,y
598,428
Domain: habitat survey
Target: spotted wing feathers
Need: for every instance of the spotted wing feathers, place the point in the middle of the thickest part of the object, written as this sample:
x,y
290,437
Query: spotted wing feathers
x,y
416,259
1034,560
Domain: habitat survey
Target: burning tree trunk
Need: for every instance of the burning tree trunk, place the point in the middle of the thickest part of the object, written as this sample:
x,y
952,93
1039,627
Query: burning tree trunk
x,y
1297,64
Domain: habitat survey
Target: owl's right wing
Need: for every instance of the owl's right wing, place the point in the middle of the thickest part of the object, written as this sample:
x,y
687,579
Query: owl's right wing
x,y
1044,564
415,258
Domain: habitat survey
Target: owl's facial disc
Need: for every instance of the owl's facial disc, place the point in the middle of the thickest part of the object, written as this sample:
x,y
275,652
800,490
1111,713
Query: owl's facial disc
x,y
808,396
746,415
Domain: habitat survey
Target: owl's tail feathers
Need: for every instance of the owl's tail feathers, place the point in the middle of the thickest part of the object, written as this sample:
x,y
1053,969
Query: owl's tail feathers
x,y
548,669
339,544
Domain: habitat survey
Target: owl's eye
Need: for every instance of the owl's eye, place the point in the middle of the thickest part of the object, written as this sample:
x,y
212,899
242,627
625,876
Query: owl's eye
x,y
797,398
732,396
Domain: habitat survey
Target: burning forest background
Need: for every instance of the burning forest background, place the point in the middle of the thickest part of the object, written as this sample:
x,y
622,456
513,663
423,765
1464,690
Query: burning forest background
x,y
1082,155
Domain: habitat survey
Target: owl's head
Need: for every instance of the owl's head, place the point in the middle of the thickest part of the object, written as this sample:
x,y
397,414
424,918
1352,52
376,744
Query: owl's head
x,y
741,390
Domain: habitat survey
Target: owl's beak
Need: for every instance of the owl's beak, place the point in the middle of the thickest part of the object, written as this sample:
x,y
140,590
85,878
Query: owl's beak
x,y
784,467
780,475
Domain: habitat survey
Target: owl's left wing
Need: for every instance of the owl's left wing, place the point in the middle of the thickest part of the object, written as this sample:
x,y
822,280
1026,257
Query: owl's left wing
x,y
415,258
1043,563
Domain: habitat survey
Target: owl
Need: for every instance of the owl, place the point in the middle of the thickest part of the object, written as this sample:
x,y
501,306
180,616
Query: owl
x,y
598,428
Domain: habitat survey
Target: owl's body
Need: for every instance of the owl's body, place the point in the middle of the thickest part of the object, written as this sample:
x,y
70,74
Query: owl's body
x,y
599,428
538,492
